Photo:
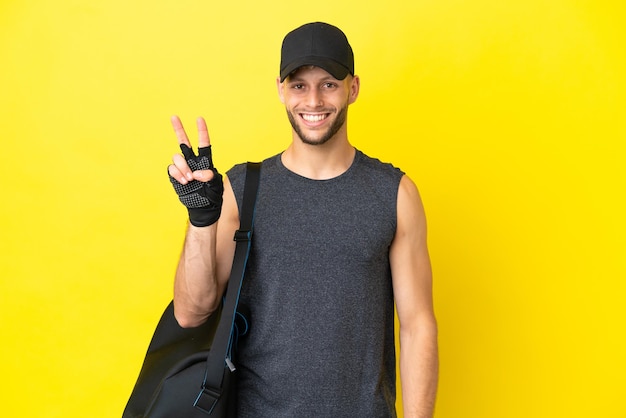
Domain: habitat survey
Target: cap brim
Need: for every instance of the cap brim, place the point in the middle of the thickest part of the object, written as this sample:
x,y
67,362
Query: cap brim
x,y
332,67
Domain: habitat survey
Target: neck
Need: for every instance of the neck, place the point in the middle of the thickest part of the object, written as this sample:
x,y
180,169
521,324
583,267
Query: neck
x,y
319,162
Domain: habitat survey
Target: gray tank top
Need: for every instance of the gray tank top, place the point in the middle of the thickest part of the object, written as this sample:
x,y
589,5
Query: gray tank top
x,y
318,286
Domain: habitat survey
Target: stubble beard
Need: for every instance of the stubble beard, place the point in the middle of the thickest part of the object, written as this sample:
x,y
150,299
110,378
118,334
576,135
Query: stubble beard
x,y
332,130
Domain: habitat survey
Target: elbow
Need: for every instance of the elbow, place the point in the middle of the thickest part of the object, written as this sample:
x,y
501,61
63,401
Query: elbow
x,y
192,317
187,321
424,326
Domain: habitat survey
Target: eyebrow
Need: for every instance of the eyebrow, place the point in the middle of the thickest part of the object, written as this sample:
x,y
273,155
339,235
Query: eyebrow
x,y
293,79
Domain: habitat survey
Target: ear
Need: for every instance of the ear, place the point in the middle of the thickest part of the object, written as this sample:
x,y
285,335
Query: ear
x,y
280,87
355,86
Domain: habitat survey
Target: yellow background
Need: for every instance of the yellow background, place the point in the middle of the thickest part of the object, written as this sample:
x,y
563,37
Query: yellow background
x,y
509,115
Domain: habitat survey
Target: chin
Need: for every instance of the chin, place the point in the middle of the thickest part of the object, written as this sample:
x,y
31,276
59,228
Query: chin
x,y
314,140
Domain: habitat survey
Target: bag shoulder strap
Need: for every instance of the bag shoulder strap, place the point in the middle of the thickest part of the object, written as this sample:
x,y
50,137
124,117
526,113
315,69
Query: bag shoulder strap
x,y
219,357
250,191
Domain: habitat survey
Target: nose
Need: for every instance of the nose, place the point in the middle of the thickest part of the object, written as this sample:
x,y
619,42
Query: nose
x,y
314,98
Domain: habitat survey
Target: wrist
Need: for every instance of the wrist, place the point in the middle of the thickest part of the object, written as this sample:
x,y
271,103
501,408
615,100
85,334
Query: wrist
x,y
201,217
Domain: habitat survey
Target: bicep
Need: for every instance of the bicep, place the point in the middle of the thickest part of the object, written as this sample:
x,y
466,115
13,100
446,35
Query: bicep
x,y
409,258
227,225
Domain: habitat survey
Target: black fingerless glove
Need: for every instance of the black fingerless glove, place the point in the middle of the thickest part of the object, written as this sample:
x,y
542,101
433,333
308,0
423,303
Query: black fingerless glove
x,y
203,200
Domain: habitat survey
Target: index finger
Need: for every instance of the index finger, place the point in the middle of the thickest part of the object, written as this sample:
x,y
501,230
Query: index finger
x,y
181,135
203,133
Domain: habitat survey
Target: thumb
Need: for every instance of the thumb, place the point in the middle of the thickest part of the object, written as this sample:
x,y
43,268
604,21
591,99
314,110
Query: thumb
x,y
203,175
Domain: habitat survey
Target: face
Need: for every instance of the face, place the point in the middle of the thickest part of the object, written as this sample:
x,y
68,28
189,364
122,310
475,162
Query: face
x,y
317,103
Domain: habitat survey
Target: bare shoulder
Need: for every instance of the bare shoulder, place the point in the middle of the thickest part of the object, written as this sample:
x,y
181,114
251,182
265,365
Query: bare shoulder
x,y
229,219
229,206
411,215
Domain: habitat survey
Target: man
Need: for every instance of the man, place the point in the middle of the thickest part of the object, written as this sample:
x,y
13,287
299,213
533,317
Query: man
x,y
339,237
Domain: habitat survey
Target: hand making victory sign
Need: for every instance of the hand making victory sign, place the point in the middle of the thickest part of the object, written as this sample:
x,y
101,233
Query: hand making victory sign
x,y
196,181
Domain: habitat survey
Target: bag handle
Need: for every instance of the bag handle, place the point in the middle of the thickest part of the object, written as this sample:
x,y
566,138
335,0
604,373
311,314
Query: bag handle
x,y
218,358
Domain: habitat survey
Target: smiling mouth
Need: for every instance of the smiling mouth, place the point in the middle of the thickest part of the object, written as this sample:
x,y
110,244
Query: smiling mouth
x,y
313,118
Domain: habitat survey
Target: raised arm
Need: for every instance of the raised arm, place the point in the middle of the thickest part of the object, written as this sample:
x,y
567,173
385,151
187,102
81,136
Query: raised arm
x,y
206,258
412,285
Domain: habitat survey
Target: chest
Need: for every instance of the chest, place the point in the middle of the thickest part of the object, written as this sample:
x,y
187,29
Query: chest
x,y
349,219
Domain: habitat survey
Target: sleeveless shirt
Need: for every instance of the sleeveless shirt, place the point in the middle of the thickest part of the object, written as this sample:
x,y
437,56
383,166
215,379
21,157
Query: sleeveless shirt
x,y
318,287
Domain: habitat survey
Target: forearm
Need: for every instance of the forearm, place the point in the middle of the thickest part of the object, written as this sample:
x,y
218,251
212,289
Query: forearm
x,y
195,284
419,370
200,188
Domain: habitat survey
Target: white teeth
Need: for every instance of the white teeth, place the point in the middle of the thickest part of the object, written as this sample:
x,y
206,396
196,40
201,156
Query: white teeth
x,y
313,118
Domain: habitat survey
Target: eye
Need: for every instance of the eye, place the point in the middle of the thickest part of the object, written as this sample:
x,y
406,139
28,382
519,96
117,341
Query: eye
x,y
297,86
330,85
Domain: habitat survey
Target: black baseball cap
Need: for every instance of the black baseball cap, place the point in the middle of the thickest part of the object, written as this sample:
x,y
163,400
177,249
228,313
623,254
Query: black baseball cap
x,y
318,44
